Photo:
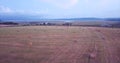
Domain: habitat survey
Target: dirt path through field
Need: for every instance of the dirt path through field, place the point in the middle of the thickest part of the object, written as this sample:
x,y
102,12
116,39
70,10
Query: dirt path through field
x,y
108,49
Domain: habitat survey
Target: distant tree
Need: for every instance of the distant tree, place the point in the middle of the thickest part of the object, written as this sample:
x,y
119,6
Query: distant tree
x,y
9,23
0,20
44,23
50,24
67,24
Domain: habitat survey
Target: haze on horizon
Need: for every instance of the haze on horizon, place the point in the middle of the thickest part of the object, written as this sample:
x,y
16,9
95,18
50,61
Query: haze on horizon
x,y
62,8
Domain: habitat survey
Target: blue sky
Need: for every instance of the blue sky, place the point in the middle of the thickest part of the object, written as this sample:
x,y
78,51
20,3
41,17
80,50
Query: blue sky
x,y
62,8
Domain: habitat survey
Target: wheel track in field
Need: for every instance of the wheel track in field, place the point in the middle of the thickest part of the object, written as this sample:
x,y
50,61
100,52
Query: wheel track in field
x,y
65,52
72,57
110,57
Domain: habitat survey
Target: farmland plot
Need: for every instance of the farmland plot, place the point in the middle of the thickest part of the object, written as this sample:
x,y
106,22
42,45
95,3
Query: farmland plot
x,y
59,44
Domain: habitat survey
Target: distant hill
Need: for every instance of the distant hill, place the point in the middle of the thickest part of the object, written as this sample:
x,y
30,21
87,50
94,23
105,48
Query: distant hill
x,y
21,17
112,19
18,17
80,19
92,19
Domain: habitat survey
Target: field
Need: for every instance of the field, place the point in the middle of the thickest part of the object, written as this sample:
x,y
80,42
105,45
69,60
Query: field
x,y
59,44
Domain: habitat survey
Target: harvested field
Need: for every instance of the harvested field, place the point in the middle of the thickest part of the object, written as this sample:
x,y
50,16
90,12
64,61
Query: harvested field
x,y
59,44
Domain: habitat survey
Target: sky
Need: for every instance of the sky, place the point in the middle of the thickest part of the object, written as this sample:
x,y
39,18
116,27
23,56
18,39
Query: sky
x,y
62,8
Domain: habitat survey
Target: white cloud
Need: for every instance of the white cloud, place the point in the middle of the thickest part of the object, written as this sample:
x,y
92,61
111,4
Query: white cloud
x,y
66,4
32,12
8,10
102,3
4,9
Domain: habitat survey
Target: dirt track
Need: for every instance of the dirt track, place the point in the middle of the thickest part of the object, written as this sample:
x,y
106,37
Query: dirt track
x,y
59,45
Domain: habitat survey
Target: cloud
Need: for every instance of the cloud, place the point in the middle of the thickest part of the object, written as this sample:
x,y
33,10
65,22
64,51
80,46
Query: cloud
x,y
7,10
65,4
4,9
32,12
102,3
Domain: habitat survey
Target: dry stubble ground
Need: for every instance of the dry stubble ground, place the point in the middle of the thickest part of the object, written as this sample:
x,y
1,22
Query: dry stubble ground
x,y
59,44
